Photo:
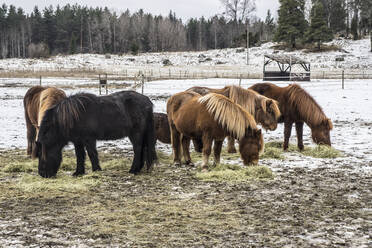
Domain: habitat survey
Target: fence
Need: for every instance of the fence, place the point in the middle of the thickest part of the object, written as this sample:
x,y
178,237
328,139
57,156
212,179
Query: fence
x,y
173,72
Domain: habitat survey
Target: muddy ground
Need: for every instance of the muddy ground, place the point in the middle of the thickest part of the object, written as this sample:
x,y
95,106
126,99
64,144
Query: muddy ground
x,y
307,201
329,205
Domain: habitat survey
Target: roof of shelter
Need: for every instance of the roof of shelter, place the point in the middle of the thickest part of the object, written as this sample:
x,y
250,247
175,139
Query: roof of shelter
x,y
286,59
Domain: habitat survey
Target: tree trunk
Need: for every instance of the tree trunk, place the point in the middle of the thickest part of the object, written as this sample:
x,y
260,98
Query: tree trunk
x,y
370,36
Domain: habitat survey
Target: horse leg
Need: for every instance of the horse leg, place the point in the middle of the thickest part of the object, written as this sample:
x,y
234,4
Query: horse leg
x,y
138,158
93,155
186,150
176,145
80,159
299,130
198,144
217,151
287,133
207,147
231,145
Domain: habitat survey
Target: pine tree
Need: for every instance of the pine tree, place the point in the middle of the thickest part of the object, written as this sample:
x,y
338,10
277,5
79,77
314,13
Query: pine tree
x,y
292,23
318,30
337,16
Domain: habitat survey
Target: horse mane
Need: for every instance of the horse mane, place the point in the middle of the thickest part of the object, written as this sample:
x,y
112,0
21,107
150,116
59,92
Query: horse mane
x,y
228,114
308,108
69,110
48,98
249,98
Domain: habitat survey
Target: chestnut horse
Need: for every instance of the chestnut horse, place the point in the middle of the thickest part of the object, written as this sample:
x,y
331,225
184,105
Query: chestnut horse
x,y
162,131
265,110
211,118
36,101
297,106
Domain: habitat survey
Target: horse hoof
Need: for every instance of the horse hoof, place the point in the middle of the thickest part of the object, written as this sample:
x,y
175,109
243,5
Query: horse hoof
x,y
189,163
177,163
78,173
97,169
231,150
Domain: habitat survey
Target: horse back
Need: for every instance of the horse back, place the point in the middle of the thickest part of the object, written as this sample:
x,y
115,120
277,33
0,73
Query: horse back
x,y
116,116
31,103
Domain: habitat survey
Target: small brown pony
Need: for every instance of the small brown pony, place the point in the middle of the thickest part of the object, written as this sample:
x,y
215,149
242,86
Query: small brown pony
x,y
211,118
36,101
265,110
297,106
162,131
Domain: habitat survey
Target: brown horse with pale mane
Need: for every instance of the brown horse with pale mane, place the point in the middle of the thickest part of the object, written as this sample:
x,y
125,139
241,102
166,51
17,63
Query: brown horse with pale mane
x,y
265,110
297,106
36,101
211,118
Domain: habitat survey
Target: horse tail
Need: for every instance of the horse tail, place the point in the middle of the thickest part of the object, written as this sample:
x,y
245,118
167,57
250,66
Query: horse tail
x,y
149,140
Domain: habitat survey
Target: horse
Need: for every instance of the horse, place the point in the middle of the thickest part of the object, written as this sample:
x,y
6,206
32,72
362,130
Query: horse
x,y
162,131
265,110
85,118
297,106
211,118
35,102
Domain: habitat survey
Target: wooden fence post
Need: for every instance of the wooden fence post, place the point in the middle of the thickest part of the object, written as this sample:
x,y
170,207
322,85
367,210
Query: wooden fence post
x,y
343,78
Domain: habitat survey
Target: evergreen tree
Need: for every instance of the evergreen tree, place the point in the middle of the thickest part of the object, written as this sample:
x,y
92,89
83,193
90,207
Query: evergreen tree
x,y
337,18
292,23
269,24
318,30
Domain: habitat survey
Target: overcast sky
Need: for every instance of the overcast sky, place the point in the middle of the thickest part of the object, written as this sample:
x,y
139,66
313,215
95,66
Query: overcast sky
x,y
184,9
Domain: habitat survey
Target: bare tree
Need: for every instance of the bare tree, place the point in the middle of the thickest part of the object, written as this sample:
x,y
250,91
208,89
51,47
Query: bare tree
x,y
238,10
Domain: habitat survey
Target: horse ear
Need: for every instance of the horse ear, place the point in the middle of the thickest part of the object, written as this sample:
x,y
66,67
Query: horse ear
x,y
269,103
330,124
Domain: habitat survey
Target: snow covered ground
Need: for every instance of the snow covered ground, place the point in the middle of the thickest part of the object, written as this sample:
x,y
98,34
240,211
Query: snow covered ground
x,y
356,56
349,109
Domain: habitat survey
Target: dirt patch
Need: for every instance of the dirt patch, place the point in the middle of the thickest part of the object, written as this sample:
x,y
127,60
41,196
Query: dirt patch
x,y
170,206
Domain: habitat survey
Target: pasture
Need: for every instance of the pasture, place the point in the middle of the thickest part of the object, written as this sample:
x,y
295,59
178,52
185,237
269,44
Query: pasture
x,y
319,197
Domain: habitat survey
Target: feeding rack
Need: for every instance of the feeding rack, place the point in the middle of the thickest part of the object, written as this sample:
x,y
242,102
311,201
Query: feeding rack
x,y
285,63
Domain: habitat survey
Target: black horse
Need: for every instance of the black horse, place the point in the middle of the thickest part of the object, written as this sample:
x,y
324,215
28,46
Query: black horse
x,y
85,118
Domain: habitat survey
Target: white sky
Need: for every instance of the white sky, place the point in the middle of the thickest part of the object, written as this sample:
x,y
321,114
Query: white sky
x,y
183,8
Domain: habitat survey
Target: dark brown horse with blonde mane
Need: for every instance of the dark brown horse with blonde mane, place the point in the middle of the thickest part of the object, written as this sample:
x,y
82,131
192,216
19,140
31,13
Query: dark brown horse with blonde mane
x,y
211,118
297,106
264,110
162,132
36,101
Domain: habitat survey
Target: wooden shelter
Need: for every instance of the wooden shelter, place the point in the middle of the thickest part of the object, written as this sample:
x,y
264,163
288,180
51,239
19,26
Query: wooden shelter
x,y
285,63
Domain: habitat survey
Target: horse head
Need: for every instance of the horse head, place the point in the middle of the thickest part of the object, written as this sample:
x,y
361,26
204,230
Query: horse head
x,y
251,146
268,113
321,133
49,146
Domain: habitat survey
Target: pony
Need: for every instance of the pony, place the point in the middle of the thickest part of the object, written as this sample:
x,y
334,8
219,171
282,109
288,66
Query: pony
x,y
162,131
85,118
297,106
211,118
264,110
35,102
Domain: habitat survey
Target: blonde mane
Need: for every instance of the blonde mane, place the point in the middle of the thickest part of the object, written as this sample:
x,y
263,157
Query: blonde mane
x,y
248,99
48,98
308,108
228,114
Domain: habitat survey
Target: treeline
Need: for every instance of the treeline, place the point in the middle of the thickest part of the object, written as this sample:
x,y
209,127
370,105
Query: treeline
x,y
78,29
326,18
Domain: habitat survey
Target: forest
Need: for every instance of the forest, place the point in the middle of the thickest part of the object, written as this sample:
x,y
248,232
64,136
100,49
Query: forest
x,y
75,28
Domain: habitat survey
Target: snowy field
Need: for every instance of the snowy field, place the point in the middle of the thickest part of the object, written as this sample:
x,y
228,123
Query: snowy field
x,y
356,55
349,109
